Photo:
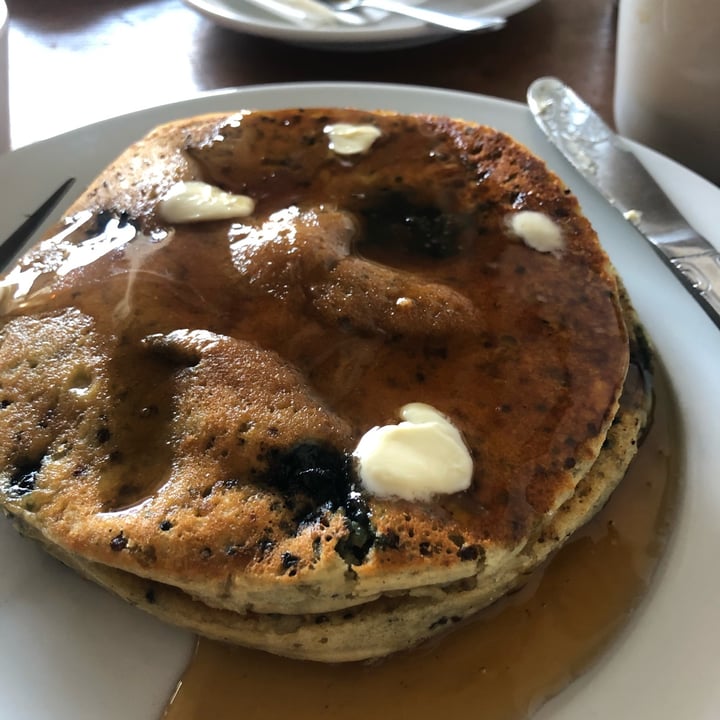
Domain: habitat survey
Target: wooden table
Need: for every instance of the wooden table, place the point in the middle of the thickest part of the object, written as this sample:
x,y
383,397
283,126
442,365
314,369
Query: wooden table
x,y
79,61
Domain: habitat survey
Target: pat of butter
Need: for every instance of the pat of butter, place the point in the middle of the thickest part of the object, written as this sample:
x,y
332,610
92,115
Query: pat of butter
x,y
195,201
346,139
537,231
633,216
422,456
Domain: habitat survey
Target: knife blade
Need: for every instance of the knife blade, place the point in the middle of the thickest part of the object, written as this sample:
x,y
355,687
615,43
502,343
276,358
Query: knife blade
x,y
606,161
12,245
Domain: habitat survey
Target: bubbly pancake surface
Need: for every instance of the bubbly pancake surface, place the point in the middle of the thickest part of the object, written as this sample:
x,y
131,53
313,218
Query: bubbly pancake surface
x,y
180,402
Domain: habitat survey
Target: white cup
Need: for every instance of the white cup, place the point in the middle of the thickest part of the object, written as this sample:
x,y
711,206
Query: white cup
x,y
667,79
4,92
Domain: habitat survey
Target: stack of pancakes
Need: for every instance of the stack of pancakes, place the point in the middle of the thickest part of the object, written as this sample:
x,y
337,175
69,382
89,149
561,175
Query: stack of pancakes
x,y
180,402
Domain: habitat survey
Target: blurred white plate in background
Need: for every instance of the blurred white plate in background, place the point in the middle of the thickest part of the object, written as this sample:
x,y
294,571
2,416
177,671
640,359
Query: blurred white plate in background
x,y
390,32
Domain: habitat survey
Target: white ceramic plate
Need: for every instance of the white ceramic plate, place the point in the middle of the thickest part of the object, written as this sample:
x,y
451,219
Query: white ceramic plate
x,y
390,32
69,651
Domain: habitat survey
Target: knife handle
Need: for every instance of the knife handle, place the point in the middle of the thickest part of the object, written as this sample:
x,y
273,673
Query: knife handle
x,y
701,274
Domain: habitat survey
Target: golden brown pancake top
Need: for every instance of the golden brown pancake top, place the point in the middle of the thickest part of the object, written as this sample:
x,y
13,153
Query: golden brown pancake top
x,y
184,405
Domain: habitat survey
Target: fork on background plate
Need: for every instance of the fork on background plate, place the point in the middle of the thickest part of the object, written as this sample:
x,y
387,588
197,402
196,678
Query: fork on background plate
x,y
452,21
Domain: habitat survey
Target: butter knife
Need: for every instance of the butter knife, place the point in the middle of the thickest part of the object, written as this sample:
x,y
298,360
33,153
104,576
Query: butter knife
x,y
608,163
12,245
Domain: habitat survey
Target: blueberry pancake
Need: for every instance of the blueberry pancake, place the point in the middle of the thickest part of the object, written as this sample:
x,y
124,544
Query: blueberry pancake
x,y
322,382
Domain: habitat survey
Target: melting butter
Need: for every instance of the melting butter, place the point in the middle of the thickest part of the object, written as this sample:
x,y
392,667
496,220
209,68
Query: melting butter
x,y
33,276
196,201
347,139
422,456
537,231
